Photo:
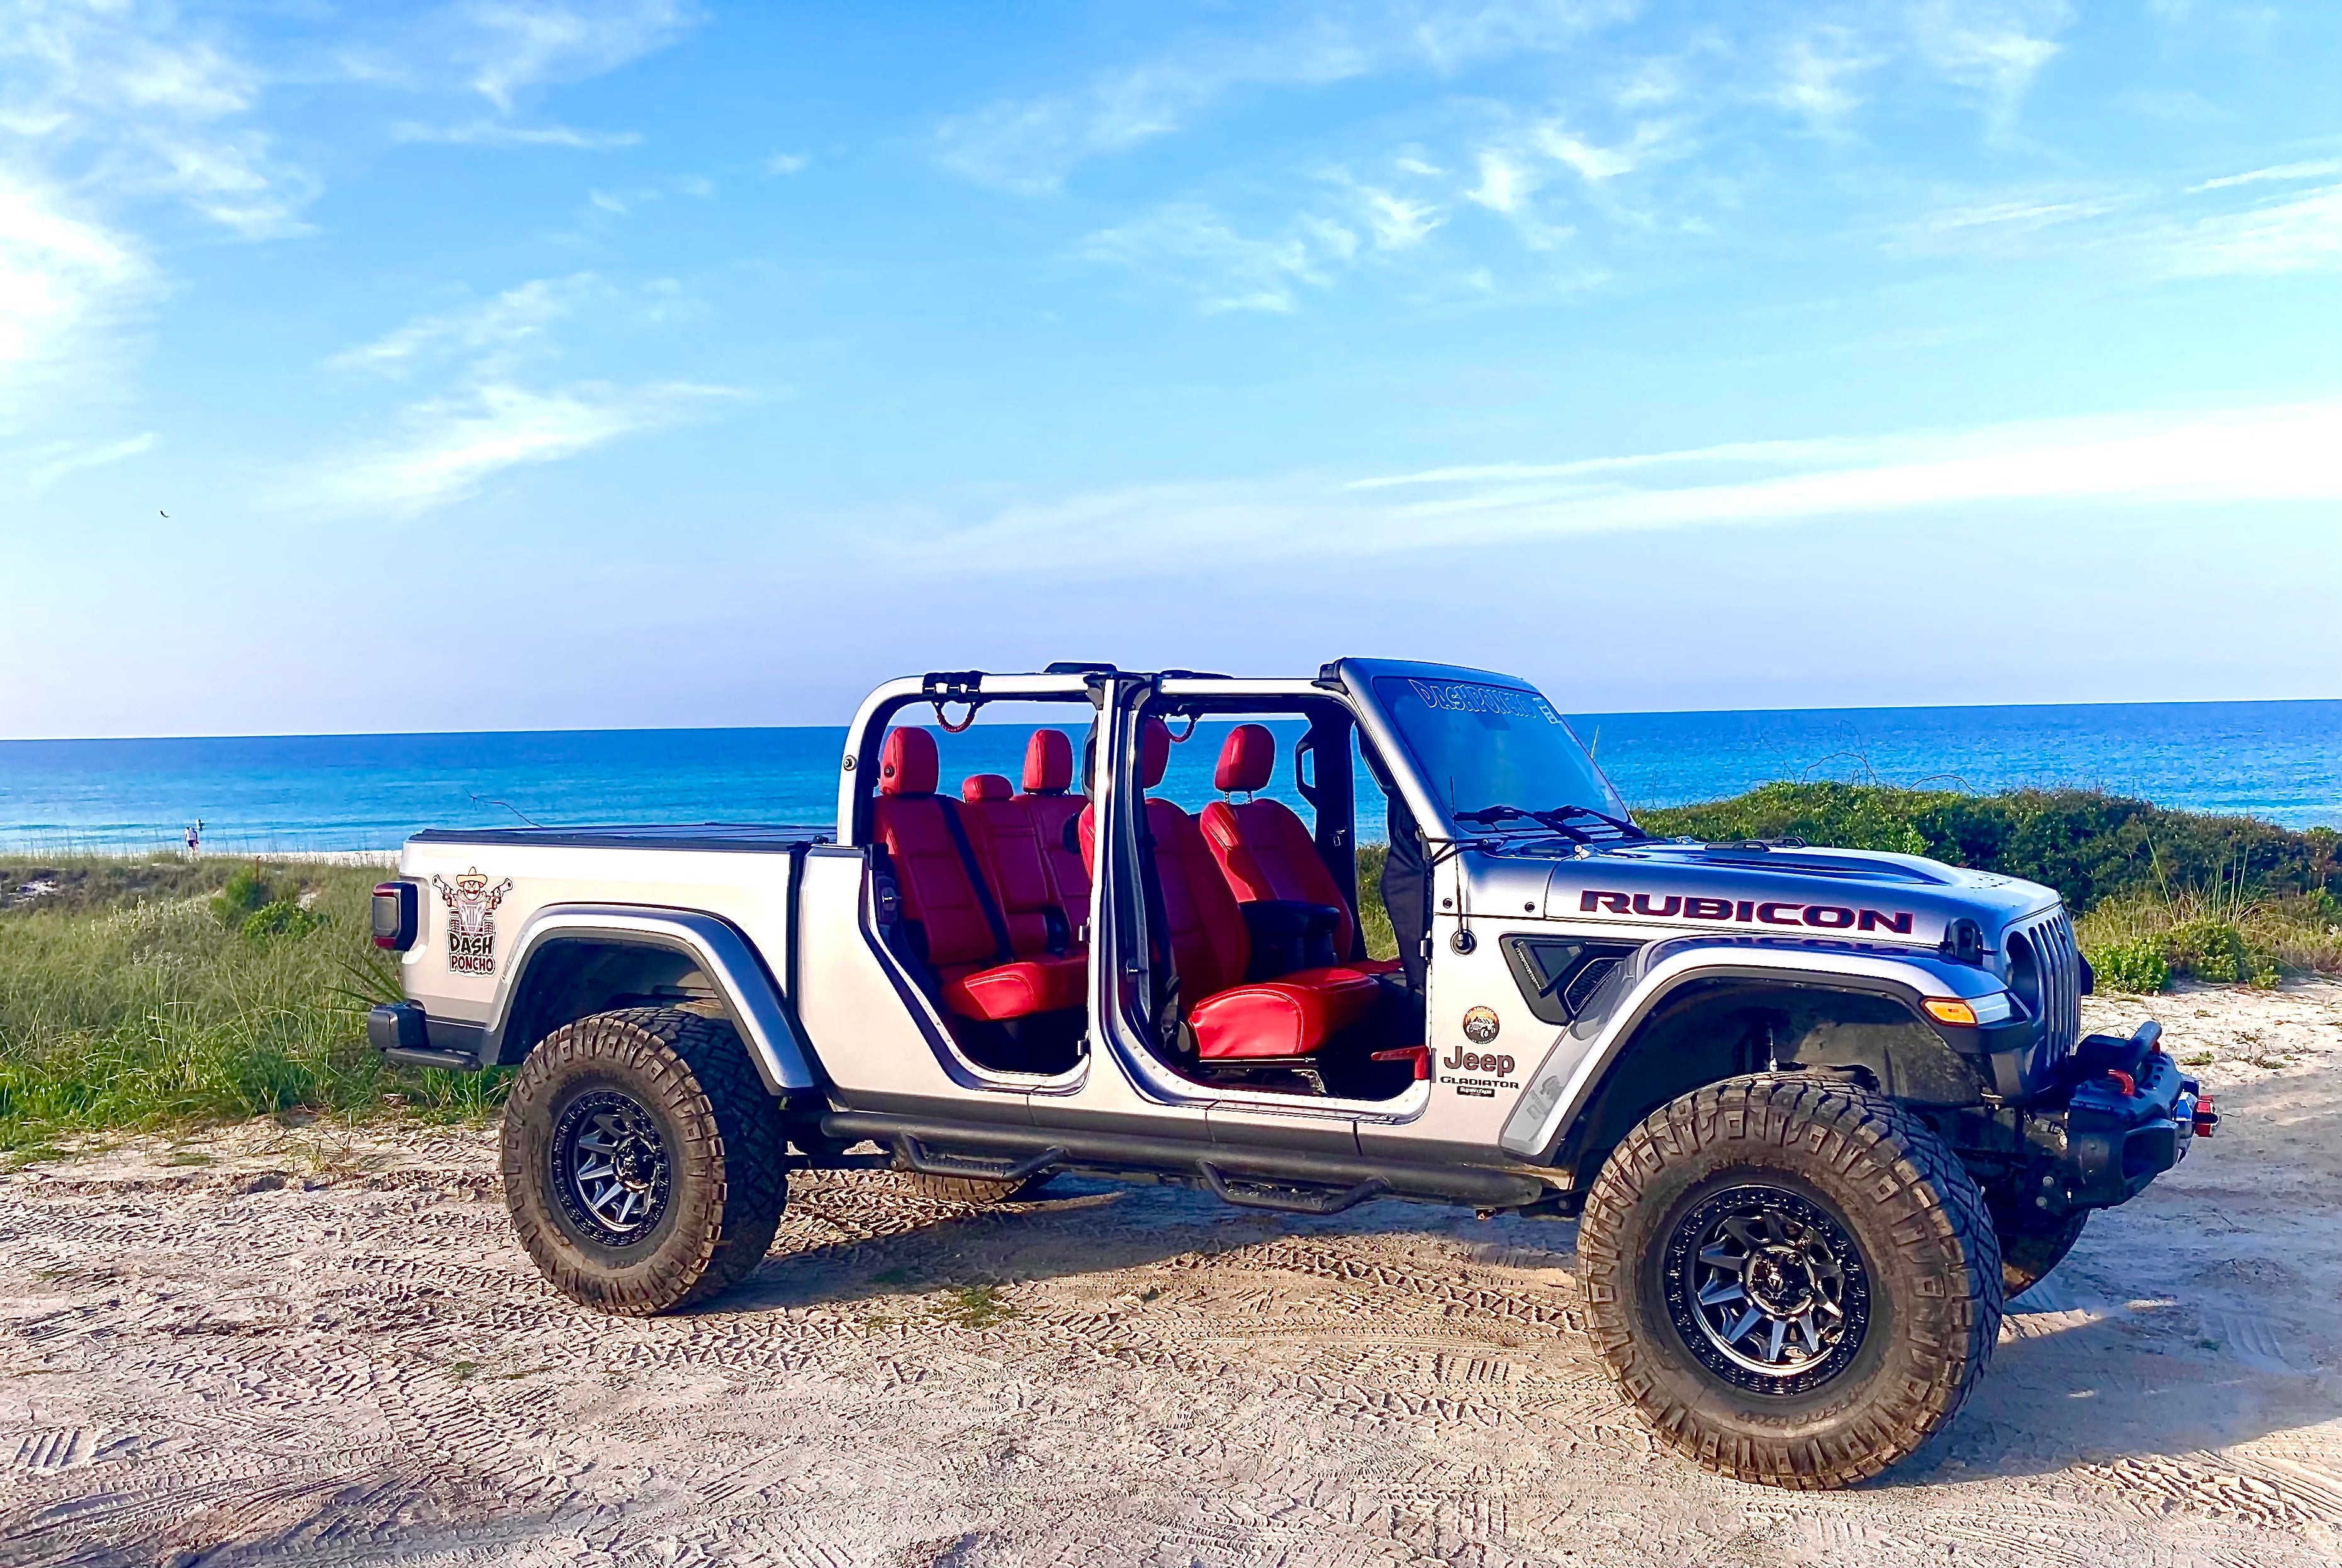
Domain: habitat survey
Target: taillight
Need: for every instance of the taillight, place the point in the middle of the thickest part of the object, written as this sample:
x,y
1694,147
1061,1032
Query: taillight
x,y
397,915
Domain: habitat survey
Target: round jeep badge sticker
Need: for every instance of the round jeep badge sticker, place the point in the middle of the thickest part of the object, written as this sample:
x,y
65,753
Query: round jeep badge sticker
x,y
1480,1025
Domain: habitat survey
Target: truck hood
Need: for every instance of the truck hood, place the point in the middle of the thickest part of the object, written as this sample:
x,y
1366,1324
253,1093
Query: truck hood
x,y
1846,894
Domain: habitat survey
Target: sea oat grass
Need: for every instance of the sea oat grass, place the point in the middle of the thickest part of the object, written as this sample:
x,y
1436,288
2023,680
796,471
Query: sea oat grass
x,y
2144,942
134,998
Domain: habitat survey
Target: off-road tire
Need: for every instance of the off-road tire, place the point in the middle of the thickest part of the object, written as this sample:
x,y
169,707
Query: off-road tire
x,y
1932,1275
723,1146
2031,1247
977,1190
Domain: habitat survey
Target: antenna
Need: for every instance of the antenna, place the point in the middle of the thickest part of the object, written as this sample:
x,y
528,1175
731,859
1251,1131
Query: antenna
x,y
509,806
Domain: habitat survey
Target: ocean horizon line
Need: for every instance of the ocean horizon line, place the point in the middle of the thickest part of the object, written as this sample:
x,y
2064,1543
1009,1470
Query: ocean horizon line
x,y
982,723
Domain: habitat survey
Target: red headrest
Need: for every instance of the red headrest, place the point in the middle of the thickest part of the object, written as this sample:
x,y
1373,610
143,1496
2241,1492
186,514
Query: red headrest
x,y
906,765
985,786
1247,759
1048,763
1154,752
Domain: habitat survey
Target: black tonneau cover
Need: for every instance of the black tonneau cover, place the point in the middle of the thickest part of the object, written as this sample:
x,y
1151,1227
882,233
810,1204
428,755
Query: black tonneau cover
x,y
754,838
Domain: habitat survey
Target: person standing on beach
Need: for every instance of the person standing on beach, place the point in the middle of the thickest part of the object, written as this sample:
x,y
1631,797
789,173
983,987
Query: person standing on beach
x,y
195,838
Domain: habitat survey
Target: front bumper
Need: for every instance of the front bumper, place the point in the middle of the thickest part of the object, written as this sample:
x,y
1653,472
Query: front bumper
x,y
2122,1114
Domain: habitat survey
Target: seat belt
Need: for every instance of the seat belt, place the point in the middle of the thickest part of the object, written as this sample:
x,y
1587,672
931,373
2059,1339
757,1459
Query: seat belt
x,y
976,879
1167,1020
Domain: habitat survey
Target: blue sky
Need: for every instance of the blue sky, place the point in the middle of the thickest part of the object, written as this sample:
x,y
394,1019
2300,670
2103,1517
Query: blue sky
x,y
641,362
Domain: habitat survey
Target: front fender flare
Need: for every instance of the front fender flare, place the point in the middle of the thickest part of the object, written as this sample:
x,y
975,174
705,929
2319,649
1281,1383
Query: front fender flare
x,y
1565,1082
750,993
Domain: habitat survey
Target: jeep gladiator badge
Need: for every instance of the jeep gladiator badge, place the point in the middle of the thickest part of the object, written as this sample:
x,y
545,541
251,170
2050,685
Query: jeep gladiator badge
x,y
1480,1025
471,920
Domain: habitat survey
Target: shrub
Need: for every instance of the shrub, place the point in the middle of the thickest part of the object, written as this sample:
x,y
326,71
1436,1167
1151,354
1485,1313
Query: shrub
x,y
2136,966
246,893
280,917
2089,847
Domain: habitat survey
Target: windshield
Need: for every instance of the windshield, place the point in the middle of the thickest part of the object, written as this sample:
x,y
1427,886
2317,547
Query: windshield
x,y
1481,746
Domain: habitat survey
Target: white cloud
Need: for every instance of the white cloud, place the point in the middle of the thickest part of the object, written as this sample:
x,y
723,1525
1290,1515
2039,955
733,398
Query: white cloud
x,y
2279,454
1817,70
496,326
1504,183
2147,234
786,164
1592,163
1996,47
2300,234
1194,248
499,134
444,449
1029,145
153,103
56,461
1397,222
488,416
2024,214
108,113
2318,170
65,280
510,46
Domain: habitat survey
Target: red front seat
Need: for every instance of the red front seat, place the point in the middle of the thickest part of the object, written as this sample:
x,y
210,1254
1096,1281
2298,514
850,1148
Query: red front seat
x,y
1263,850
953,914
1211,948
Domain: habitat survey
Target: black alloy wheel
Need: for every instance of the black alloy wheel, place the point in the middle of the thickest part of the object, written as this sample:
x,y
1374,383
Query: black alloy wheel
x,y
611,1166
1767,1289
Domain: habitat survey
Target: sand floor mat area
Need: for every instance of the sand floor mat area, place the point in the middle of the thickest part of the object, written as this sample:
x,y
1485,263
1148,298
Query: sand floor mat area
x,y
294,1345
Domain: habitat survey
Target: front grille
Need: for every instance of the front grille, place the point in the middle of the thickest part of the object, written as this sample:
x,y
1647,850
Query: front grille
x,y
2055,992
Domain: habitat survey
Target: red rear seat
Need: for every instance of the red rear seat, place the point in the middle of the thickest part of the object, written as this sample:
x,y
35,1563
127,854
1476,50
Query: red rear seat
x,y
1211,948
1263,850
961,927
1008,838
1048,780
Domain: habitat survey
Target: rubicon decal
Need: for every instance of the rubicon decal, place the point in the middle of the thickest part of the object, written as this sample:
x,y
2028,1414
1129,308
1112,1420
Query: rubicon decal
x,y
1747,911
471,920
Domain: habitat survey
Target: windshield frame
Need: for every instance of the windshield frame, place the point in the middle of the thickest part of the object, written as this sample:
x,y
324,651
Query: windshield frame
x,y
1402,750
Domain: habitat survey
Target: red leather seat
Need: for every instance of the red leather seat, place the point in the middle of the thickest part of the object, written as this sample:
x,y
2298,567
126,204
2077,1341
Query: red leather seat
x,y
1048,798
1211,948
1007,840
1264,850
956,920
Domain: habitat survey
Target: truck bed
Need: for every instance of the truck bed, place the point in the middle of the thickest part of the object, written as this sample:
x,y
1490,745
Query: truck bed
x,y
733,837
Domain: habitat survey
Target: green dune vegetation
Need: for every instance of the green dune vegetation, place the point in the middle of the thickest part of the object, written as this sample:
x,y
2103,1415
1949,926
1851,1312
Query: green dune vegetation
x,y
164,994
148,995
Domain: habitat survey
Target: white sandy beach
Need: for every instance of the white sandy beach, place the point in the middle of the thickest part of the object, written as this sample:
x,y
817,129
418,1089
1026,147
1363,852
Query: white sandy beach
x,y
318,1345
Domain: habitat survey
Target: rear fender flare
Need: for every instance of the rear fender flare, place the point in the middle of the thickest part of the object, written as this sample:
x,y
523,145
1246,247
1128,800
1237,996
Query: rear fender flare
x,y
1566,1081
751,995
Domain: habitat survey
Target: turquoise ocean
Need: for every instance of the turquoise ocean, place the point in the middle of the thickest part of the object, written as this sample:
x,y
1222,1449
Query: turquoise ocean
x,y
2281,761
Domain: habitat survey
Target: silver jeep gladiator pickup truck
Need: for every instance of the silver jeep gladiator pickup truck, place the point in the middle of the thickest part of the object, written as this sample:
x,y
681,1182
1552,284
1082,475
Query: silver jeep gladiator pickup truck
x,y
1817,1113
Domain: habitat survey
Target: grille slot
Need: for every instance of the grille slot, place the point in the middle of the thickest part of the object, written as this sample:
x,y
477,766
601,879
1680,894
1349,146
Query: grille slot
x,y
2057,967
